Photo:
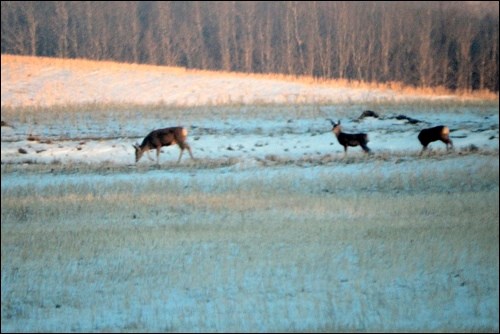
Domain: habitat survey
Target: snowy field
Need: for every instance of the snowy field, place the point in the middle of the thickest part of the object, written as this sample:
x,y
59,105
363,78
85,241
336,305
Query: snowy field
x,y
237,138
270,229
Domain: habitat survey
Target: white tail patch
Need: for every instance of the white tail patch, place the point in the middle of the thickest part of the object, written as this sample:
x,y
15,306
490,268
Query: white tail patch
x,y
445,131
184,132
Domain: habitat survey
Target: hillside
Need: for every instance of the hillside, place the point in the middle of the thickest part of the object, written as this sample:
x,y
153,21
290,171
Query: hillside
x,y
37,81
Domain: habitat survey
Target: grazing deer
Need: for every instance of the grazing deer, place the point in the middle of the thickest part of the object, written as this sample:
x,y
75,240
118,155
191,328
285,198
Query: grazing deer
x,y
350,139
429,135
163,137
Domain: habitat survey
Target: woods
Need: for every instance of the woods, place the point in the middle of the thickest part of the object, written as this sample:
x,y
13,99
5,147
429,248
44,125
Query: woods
x,y
450,44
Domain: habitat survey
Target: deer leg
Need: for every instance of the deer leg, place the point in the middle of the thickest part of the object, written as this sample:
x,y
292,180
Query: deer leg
x,y
189,150
158,148
180,155
423,149
449,145
182,147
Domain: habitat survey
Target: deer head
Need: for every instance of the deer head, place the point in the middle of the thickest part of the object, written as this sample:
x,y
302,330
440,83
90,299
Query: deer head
x,y
138,151
335,127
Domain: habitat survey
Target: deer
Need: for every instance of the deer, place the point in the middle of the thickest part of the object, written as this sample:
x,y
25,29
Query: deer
x,y
156,139
349,139
440,132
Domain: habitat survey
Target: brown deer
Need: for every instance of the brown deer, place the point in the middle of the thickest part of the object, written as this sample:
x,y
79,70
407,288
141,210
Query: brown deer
x,y
163,137
441,132
350,139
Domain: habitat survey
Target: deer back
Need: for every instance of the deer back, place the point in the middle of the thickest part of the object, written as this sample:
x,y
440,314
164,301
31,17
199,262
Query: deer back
x,y
428,135
352,139
165,137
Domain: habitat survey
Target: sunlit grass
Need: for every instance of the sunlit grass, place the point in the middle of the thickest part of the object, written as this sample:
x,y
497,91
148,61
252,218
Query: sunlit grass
x,y
87,66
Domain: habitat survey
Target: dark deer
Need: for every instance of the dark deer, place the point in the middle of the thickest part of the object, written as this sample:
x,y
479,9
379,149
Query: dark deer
x,y
163,137
350,139
429,135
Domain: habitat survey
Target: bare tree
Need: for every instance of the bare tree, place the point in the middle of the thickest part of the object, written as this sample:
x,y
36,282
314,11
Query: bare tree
x,y
422,44
225,25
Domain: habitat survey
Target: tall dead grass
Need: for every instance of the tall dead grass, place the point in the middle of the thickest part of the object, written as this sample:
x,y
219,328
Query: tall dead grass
x,y
107,115
233,253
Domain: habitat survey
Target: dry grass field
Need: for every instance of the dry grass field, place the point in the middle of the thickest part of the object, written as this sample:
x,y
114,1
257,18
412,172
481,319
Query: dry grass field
x,y
258,252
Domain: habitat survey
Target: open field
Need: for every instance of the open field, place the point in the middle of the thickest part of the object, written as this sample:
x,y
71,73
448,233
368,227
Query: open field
x,y
273,249
270,229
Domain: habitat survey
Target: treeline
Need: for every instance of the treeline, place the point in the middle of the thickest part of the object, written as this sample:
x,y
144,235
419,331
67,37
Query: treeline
x,y
451,44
